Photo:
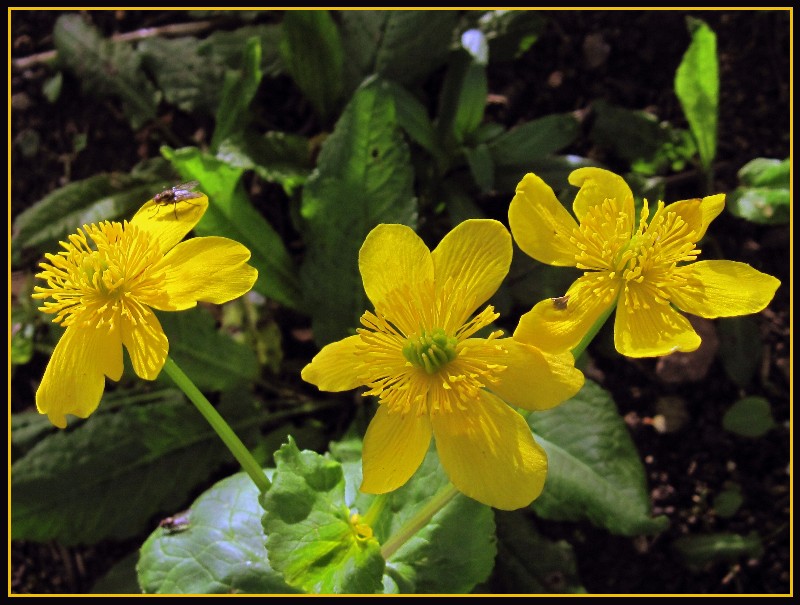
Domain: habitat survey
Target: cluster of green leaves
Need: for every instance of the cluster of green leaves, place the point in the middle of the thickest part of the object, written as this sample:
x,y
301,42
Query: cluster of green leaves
x,y
390,148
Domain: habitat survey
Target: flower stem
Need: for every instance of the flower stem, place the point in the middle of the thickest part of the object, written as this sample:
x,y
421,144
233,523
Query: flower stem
x,y
375,509
418,521
581,346
225,432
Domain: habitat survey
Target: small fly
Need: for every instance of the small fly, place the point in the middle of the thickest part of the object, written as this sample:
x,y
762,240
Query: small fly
x,y
176,523
560,303
178,193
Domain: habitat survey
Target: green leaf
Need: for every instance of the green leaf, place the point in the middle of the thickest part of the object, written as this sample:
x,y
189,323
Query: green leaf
x,y
225,47
307,499
21,349
439,557
414,44
594,471
765,195
749,417
105,67
403,45
765,172
739,357
188,79
276,157
458,201
481,166
636,137
529,563
241,85
728,501
311,48
107,476
630,135
51,88
762,205
535,139
231,214
105,196
27,429
213,360
698,551
413,118
463,99
697,89
218,550
363,178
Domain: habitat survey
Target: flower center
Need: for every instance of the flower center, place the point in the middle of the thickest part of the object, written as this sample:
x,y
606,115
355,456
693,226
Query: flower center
x,y
455,368
430,350
655,251
104,271
601,237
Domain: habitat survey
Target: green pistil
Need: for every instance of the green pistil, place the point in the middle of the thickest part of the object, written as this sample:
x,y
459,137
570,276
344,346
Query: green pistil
x,y
430,350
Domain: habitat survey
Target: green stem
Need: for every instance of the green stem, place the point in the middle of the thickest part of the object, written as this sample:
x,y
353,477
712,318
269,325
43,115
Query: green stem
x,y
217,422
375,509
581,346
418,521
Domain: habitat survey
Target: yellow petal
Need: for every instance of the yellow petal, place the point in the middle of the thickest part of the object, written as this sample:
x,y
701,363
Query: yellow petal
x,y
167,223
541,226
394,262
336,366
394,447
205,269
659,330
146,343
558,325
598,185
489,453
723,288
74,380
469,265
532,379
699,213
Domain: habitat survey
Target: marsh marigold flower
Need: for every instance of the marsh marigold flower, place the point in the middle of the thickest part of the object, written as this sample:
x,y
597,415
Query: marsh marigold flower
x,y
417,353
649,271
101,288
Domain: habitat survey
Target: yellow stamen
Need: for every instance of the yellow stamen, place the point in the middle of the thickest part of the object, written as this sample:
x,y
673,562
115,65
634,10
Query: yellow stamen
x,y
104,272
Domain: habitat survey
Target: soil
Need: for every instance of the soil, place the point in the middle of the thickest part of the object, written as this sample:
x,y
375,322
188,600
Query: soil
x,y
627,58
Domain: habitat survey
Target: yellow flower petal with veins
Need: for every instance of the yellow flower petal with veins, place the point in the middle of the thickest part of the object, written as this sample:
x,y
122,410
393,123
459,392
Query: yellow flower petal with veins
x,y
542,227
394,447
644,270
166,224
651,332
102,286
560,324
489,453
205,269
723,288
336,366
75,376
417,352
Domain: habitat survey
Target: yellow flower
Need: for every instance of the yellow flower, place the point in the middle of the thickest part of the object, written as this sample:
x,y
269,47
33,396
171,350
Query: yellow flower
x,y
417,353
648,271
103,285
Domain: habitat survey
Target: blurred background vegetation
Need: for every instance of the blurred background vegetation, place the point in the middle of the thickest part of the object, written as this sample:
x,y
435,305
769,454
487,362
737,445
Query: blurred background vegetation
x,y
308,128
